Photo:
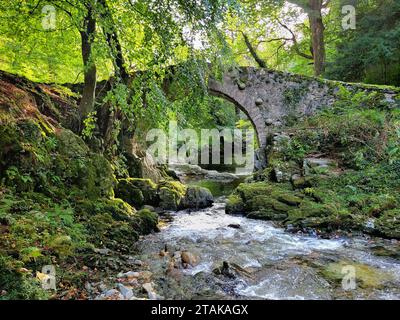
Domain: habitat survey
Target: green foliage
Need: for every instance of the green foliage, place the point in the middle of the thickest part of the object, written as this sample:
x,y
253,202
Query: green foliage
x,y
357,130
89,124
370,53
338,202
18,285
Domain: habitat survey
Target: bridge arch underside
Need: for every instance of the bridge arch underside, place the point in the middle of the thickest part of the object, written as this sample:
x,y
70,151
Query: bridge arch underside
x,y
253,114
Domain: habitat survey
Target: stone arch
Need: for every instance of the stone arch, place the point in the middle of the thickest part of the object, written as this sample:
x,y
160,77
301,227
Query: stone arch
x,y
270,97
230,92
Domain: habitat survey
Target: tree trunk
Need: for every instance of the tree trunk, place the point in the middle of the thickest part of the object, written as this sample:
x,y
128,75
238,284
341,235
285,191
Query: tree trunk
x,y
317,35
114,43
261,63
122,75
90,74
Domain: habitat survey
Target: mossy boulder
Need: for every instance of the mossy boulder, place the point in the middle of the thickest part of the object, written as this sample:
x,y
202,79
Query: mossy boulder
x,y
266,202
365,275
267,214
176,186
388,224
148,221
169,198
235,205
171,194
129,193
148,188
197,197
57,163
263,200
249,190
115,224
137,192
288,199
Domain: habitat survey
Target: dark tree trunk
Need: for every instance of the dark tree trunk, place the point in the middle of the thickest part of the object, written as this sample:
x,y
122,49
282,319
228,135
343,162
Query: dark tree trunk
x,y
121,74
317,36
261,63
114,43
90,74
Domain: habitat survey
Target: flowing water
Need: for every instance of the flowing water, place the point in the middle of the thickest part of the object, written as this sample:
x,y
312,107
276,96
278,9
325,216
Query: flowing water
x,y
265,261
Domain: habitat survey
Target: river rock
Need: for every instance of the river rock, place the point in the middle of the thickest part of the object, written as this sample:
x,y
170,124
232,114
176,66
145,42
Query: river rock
x,y
111,294
145,275
135,262
234,226
197,197
224,270
150,291
125,291
189,258
318,165
103,251
129,274
259,101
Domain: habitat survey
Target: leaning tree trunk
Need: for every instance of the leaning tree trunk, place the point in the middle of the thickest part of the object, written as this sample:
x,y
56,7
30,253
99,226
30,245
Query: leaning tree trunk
x,y
113,42
317,36
261,63
90,73
121,73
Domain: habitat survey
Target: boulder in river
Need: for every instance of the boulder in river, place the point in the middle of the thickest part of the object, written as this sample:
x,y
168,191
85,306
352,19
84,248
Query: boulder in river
x,y
225,270
197,197
234,226
189,258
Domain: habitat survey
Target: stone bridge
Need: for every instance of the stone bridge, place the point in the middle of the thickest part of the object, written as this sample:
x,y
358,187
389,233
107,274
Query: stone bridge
x,y
271,98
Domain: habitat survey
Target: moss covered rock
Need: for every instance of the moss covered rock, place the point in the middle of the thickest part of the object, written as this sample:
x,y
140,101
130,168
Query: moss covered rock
x,y
263,200
234,205
137,192
365,276
129,193
55,163
115,224
148,221
169,198
171,194
148,188
197,197
388,224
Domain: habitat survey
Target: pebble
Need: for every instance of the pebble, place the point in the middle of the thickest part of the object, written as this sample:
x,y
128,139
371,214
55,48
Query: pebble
x,y
102,251
234,226
111,294
150,291
125,291
102,287
129,274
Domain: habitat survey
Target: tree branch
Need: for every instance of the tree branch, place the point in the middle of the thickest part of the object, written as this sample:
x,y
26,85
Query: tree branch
x,y
295,43
261,63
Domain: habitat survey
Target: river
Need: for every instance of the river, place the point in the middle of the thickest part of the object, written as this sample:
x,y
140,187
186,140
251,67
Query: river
x,y
265,261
